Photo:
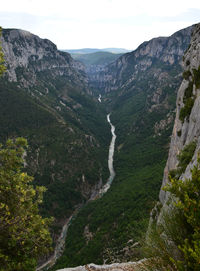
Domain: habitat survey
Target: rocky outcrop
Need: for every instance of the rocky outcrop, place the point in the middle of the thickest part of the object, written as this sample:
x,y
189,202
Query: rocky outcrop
x,y
130,266
26,53
123,72
187,127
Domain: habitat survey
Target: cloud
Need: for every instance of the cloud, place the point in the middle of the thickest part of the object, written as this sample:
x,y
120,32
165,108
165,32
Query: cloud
x,y
94,23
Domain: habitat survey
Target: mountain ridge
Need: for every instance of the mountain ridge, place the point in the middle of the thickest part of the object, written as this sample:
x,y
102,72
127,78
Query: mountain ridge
x,y
94,50
139,89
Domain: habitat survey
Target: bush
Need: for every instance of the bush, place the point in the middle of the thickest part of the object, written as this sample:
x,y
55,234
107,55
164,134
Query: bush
x,y
185,156
179,133
197,77
186,110
186,74
187,193
24,234
174,243
188,100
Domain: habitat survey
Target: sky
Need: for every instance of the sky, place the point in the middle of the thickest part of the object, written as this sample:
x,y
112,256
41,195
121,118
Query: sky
x,y
74,24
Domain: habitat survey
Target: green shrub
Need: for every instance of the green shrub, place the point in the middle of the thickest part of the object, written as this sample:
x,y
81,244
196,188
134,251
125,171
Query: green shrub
x,y
188,92
184,159
179,133
174,244
188,204
187,62
163,240
188,100
185,156
197,77
186,74
186,110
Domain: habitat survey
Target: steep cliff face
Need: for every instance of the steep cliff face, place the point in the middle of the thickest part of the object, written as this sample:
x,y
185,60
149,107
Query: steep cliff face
x,y
187,122
26,53
167,51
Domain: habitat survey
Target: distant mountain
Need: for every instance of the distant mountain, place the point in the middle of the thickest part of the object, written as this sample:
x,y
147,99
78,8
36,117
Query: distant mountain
x,y
97,58
94,50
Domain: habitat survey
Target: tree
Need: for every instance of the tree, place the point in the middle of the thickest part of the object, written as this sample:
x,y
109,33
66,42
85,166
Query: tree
x,y
24,234
2,67
187,194
174,241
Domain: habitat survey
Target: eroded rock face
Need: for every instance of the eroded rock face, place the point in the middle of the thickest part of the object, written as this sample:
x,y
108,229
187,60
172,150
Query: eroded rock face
x,y
187,130
25,53
158,51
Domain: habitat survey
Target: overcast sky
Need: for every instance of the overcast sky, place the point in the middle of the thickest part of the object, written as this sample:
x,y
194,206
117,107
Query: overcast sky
x,y
73,24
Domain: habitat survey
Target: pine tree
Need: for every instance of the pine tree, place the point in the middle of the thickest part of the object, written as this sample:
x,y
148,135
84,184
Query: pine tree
x,y
24,234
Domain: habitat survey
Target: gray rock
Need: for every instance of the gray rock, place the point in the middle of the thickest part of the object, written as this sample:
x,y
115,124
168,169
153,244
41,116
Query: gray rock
x,y
190,129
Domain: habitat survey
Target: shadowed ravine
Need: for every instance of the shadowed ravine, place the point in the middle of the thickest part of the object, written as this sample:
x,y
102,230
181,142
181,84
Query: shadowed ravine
x,y
61,240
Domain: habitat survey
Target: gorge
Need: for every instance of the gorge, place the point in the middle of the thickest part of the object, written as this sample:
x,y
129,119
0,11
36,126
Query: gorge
x,y
60,244
61,110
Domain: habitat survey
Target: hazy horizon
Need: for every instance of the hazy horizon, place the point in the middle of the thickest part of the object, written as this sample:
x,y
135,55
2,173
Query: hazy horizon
x,y
99,24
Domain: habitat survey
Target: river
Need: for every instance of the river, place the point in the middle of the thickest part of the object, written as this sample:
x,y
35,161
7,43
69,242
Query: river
x,y
61,240
110,159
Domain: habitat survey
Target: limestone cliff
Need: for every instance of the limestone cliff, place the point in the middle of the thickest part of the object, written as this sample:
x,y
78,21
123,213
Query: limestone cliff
x,y
130,266
187,125
150,55
27,53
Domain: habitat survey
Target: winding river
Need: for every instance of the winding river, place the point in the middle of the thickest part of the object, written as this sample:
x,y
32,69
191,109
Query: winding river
x,y
110,158
61,240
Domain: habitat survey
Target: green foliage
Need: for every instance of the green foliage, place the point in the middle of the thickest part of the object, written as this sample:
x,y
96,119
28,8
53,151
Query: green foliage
x,y
184,158
56,145
123,212
162,242
186,110
173,244
188,204
179,133
197,77
2,67
186,74
24,234
188,62
188,92
188,100
140,155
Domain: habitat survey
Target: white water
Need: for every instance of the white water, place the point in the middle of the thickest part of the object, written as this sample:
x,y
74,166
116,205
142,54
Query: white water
x,y
99,99
110,158
61,240
60,245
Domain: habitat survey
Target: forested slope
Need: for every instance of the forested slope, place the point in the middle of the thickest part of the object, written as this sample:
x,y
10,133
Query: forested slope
x,y
140,90
45,98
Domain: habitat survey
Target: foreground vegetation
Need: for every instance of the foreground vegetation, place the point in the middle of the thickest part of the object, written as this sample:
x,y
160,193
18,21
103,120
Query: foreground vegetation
x,y
24,234
174,242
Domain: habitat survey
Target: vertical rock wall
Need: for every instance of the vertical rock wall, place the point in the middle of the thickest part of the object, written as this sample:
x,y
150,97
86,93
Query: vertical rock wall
x,y
186,129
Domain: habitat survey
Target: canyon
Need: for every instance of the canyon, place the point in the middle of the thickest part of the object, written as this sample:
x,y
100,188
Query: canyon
x,y
64,114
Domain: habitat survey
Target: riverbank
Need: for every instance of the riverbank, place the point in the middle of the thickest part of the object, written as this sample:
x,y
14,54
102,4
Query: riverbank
x,y
61,240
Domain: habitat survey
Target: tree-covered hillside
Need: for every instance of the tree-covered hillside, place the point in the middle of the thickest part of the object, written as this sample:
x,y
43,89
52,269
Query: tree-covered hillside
x,y
44,98
141,95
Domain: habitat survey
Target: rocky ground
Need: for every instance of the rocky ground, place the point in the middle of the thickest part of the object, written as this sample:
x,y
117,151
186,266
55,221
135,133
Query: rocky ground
x,y
130,266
